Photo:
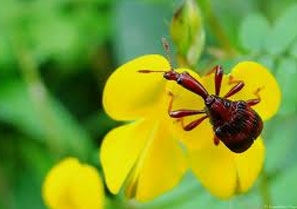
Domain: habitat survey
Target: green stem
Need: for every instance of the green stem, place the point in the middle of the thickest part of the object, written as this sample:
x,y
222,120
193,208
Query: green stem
x,y
265,188
38,93
217,29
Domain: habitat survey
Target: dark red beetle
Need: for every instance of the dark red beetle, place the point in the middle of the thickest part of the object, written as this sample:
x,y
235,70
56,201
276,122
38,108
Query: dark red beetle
x,y
234,123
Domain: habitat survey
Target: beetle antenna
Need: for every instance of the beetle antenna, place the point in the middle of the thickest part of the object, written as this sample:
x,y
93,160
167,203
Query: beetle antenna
x,y
151,71
167,51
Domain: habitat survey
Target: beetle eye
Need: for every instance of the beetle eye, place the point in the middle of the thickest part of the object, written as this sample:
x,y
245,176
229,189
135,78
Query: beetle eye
x,y
227,104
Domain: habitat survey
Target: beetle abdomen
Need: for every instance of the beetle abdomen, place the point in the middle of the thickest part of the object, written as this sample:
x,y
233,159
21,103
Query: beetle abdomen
x,y
239,133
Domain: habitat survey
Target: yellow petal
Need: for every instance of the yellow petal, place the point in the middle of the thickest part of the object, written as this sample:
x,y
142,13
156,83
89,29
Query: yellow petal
x,y
256,76
71,185
201,136
184,99
225,173
129,94
215,169
132,154
249,165
120,150
162,167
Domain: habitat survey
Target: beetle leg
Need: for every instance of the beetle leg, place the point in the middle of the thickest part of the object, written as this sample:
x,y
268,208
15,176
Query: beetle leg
x,y
218,71
252,102
192,124
218,79
235,89
181,112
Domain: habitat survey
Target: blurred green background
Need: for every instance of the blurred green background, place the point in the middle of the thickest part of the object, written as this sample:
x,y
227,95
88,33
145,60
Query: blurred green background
x,y
55,56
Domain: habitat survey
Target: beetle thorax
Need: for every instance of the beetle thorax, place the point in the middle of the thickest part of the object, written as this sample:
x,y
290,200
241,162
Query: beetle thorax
x,y
219,110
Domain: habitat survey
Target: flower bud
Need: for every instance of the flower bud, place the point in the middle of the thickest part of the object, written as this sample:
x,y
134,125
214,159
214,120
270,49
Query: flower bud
x,y
187,32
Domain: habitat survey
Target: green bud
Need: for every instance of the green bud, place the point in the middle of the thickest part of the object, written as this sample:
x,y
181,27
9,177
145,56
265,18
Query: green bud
x,y
187,32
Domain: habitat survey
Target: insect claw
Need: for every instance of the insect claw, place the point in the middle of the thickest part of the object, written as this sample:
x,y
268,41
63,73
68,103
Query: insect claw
x,y
216,140
257,92
170,93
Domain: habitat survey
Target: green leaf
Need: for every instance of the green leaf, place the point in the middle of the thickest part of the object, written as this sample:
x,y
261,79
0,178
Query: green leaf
x,y
17,109
253,31
180,197
7,64
28,191
51,123
293,50
55,37
268,61
287,76
280,135
139,28
283,189
283,33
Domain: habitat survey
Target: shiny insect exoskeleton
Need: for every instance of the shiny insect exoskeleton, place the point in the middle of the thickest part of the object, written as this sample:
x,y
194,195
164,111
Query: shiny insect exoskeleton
x,y
234,123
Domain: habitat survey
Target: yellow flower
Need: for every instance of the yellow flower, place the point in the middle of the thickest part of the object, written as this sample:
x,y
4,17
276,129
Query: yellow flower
x,y
72,185
145,156
222,172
